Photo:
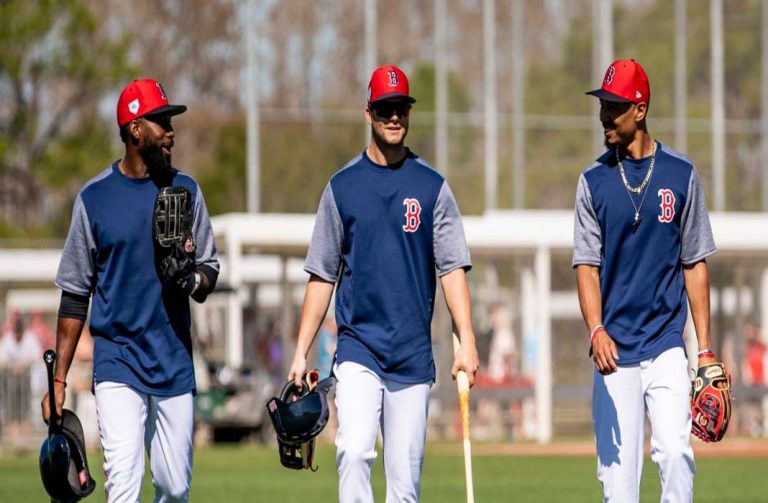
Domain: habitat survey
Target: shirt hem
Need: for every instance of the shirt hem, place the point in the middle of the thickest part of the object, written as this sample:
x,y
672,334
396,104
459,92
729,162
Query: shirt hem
x,y
150,391
387,375
699,257
648,356
584,261
321,274
467,266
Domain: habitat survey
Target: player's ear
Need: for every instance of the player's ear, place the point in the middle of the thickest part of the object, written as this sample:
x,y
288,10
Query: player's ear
x,y
368,117
133,132
641,111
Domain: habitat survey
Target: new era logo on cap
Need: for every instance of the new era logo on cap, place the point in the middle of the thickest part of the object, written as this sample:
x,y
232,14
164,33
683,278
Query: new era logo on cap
x,y
386,82
144,97
625,81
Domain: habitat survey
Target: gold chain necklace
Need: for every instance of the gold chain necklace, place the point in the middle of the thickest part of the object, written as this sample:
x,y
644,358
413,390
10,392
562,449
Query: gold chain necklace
x,y
639,188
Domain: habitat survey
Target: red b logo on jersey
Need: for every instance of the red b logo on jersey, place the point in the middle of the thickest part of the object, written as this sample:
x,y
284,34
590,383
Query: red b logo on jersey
x,y
412,214
667,204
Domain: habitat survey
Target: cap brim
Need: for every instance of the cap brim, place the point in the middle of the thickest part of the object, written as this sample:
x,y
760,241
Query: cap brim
x,y
167,109
389,96
605,95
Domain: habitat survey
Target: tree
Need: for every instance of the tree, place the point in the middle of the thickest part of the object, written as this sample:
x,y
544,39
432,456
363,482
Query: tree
x,y
56,63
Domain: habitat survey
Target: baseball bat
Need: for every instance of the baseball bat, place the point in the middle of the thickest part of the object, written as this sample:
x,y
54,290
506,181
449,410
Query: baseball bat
x,y
49,357
462,382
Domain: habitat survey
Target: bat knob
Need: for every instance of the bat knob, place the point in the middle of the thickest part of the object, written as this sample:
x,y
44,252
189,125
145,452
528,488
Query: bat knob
x,y
49,356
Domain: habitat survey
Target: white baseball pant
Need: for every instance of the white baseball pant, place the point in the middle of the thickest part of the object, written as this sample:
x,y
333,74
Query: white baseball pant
x,y
659,387
131,422
363,401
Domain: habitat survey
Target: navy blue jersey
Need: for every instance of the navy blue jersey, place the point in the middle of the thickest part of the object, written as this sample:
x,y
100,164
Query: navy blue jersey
x,y
381,232
644,305
141,332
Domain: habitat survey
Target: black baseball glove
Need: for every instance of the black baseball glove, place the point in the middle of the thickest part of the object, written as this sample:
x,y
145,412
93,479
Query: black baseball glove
x,y
711,402
174,242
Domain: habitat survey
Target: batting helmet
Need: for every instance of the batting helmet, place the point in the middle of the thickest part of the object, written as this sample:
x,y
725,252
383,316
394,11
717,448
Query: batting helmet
x,y
298,417
63,461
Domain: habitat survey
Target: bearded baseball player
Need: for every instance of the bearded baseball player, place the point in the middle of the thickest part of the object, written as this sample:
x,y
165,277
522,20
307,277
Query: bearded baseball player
x,y
641,239
140,244
386,222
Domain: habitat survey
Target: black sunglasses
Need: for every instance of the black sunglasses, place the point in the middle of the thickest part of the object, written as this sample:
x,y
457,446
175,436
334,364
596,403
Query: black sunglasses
x,y
385,109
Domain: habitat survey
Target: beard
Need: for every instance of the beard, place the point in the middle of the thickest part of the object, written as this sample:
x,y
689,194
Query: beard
x,y
158,165
156,161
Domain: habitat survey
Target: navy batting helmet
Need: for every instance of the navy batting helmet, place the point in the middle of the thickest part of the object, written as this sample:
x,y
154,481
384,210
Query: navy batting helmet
x,y
63,461
298,417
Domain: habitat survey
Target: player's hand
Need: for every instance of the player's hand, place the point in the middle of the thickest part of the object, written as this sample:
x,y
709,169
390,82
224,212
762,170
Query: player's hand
x,y
466,359
59,395
707,359
604,353
298,368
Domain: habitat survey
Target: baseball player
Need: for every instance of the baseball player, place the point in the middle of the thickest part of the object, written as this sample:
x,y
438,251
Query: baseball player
x,y
386,221
641,239
143,375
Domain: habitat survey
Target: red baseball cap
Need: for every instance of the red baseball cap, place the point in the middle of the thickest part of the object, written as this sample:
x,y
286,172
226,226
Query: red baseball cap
x,y
387,82
144,97
625,81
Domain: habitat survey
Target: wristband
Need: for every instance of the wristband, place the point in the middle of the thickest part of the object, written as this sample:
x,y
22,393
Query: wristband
x,y
197,282
597,328
706,351
62,381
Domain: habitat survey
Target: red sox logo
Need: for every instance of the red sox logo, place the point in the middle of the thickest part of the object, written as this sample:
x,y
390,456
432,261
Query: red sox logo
x,y
412,214
392,78
162,91
609,75
667,203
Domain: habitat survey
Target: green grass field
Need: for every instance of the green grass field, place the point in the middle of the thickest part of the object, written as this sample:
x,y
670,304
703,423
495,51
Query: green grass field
x,y
253,473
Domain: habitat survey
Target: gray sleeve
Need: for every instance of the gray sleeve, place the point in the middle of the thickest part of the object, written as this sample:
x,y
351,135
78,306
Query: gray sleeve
x,y
324,254
697,240
206,253
587,242
449,242
77,269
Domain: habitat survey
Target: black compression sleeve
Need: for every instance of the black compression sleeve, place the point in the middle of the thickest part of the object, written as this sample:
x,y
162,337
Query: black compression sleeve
x,y
212,275
73,306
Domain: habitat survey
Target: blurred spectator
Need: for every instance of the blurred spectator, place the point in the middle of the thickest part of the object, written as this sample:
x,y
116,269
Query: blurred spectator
x,y
729,355
13,315
326,345
19,349
275,355
503,350
483,343
250,337
41,330
754,357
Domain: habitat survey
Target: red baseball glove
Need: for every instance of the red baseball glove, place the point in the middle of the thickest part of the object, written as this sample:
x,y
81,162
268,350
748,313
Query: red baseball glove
x,y
711,402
